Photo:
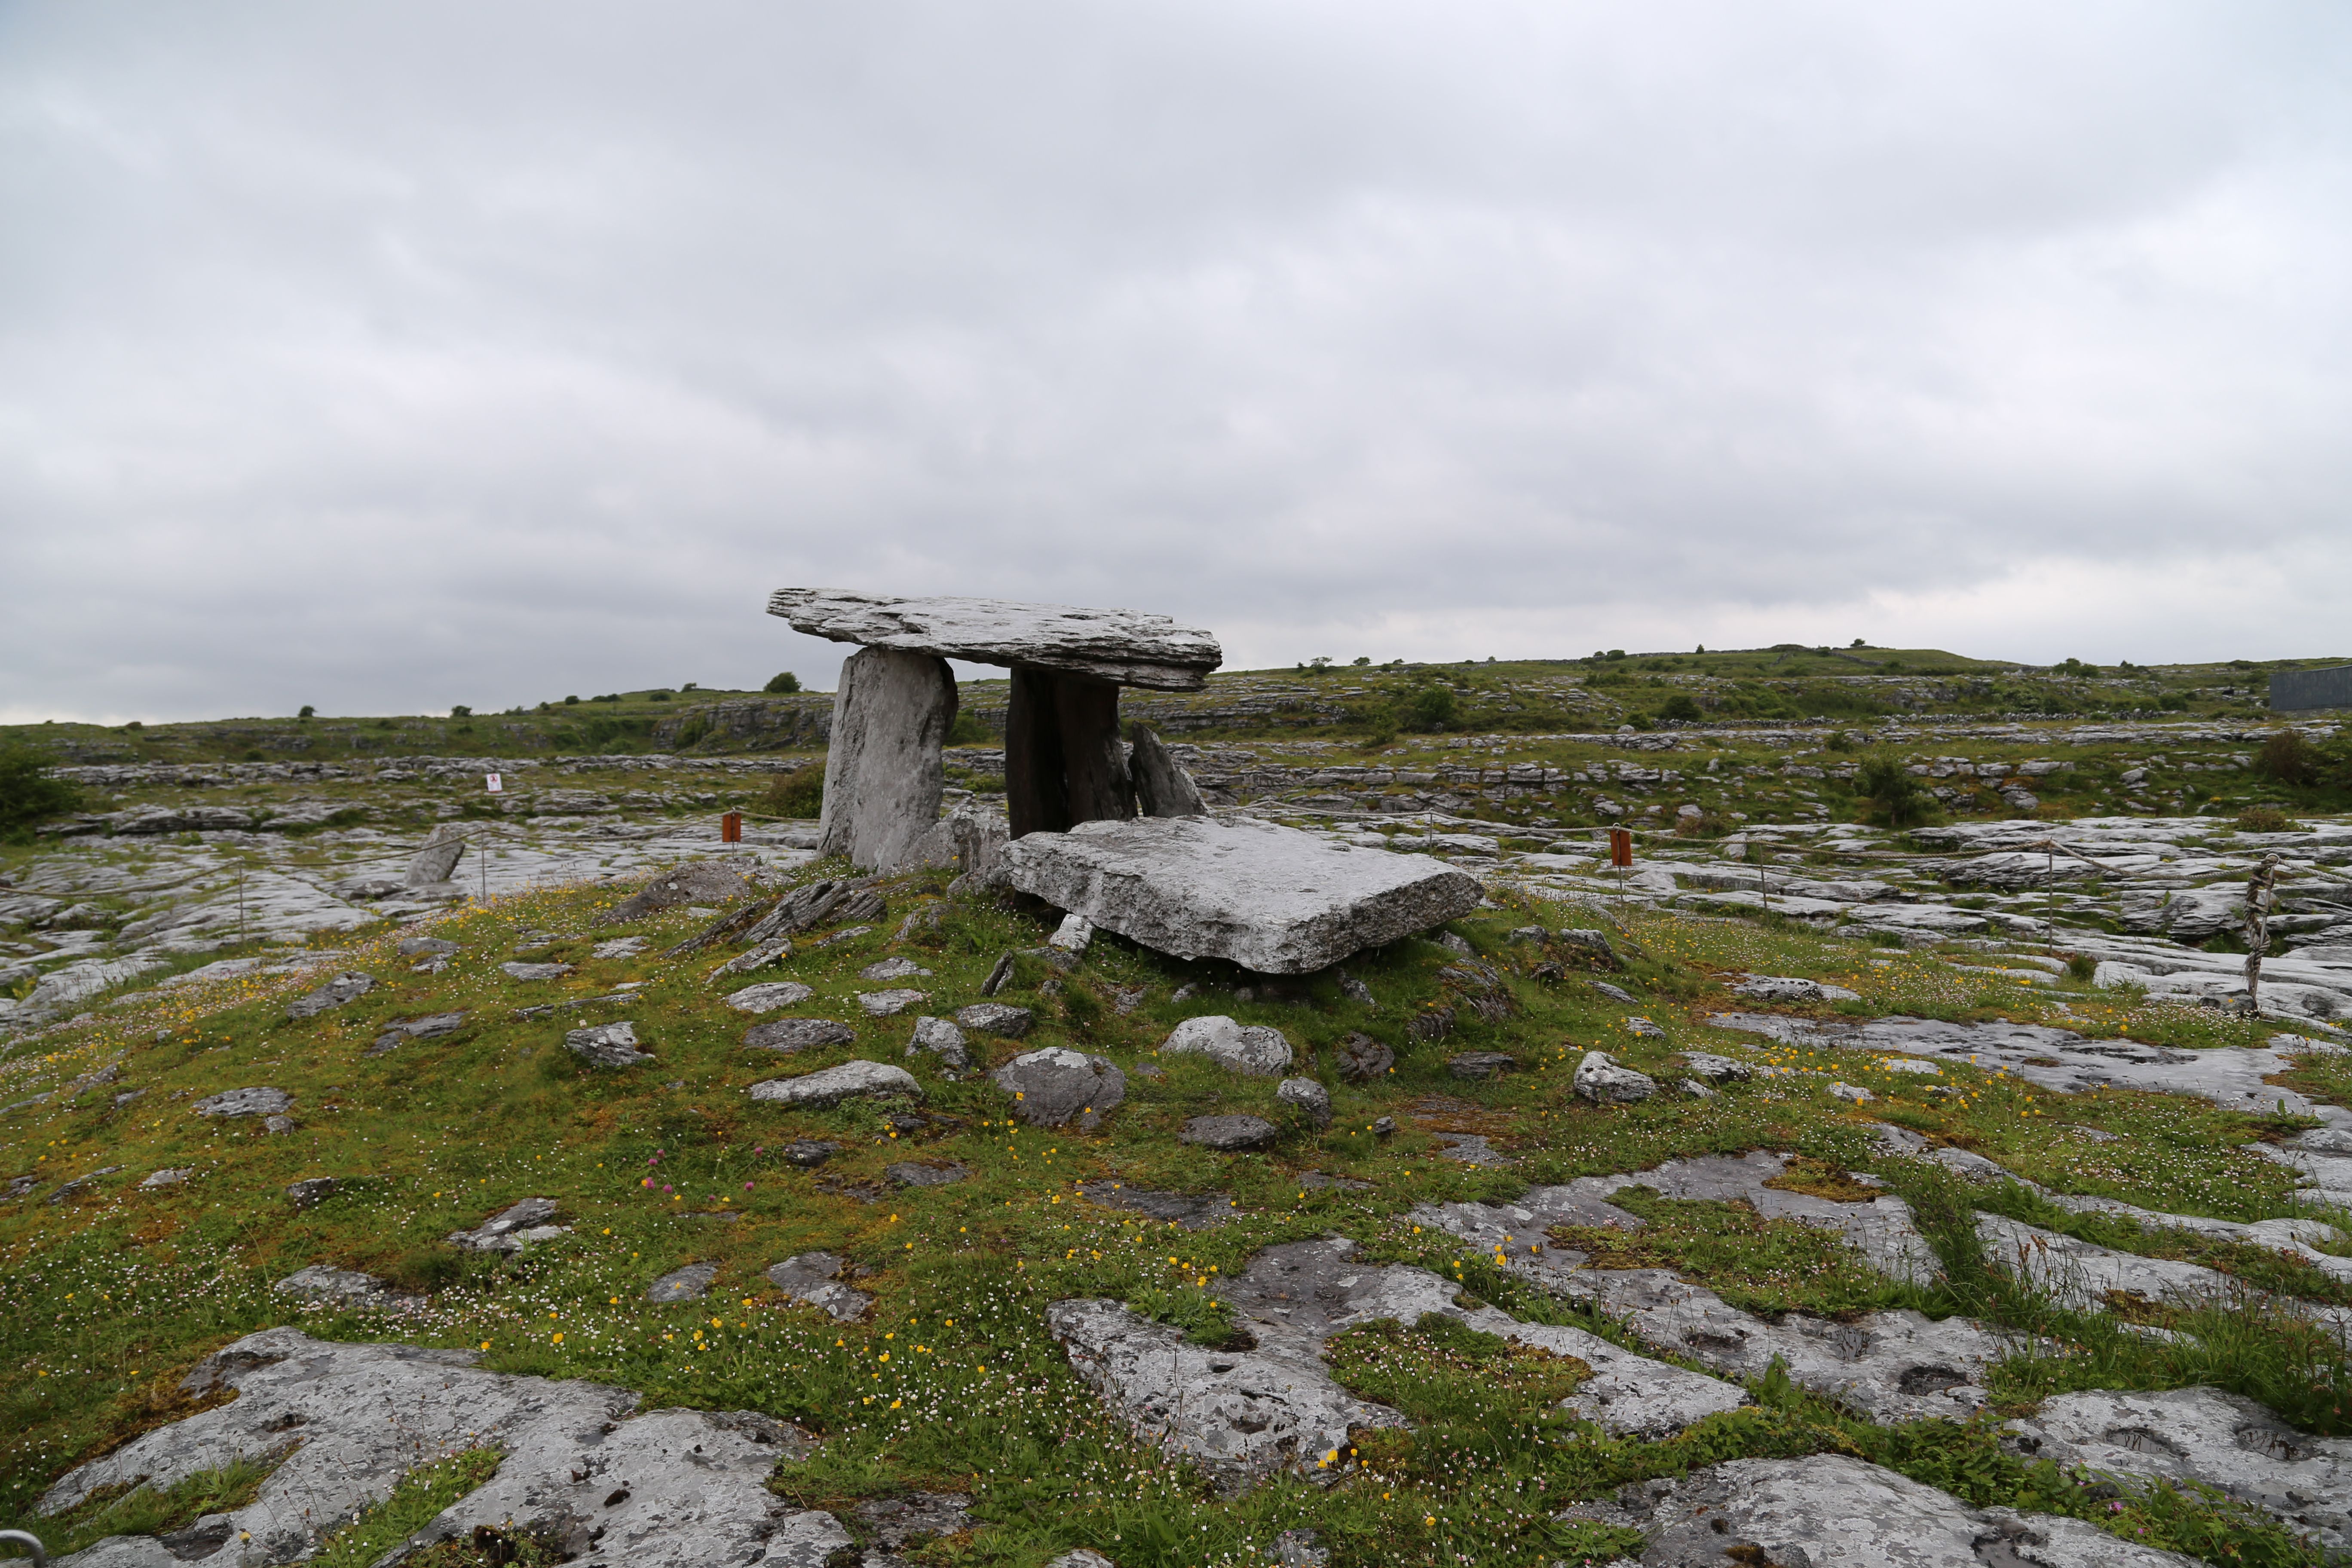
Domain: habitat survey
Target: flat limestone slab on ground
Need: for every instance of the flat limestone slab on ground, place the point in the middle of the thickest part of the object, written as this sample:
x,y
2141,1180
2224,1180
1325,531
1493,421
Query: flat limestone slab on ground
x,y
1270,899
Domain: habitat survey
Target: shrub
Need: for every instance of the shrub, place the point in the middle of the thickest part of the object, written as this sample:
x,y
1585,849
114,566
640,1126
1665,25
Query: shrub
x,y
1893,790
2289,758
1680,708
787,681
1430,708
28,794
461,711
2082,966
967,729
307,711
2265,819
571,702
800,793
656,696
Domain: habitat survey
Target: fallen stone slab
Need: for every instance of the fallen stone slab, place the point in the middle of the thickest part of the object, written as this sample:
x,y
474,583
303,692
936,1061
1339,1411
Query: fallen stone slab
x,y
519,971
1054,1086
1716,1069
619,947
606,1044
690,1283
697,882
1126,648
431,1028
2203,1434
343,990
786,1036
512,1229
1791,988
429,947
311,1194
245,1102
889,1004
1478,1064
915,1173
850,1081
893,968
1257,1050
339,1287
1229,1133
814,1278
1270,899
583,1472
1828,1510
1190,1211
999,1018
768,998
168,1178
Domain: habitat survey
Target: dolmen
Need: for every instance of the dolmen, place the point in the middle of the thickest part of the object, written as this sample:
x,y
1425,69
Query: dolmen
x,y
1115,833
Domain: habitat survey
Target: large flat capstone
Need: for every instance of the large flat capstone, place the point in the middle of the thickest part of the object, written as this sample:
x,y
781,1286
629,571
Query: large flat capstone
x,y
1269,898
1127,648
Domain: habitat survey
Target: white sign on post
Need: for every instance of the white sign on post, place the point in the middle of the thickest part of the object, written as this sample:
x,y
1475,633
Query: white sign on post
x,y
497,785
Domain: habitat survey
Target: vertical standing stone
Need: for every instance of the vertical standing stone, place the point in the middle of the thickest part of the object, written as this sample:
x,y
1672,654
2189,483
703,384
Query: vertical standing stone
x,y
1162,787
882,771
1062,760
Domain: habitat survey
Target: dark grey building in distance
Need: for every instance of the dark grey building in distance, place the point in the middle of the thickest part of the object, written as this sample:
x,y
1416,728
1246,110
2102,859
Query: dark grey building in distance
x,y
2302,689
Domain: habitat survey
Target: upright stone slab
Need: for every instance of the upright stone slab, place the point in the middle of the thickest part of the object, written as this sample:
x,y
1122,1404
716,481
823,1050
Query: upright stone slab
x,y
436,859
883,774
1267,898
1162,787
1062,760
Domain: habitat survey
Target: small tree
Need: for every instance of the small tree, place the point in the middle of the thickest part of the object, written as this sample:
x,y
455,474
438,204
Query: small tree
x,y
28,793
461,711
1430,708
800,793
1893,790
786,682
307,711
1680,707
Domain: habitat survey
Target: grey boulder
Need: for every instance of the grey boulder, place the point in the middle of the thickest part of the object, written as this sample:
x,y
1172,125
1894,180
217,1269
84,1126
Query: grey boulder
x,y
768,998
887,1004
512,1229
336,993
245,1102
606,1044
435,861
1716,1069
1052,1086
697,882
1600,1080
913,1173
1362,1058
1791,988
942,1039
786,1036
335,1287
1267,898
814,1278
535,970
1482,1064
850,1081
1000,1018
429,947
1308,1096
1257,1050
1230,1134
690,1283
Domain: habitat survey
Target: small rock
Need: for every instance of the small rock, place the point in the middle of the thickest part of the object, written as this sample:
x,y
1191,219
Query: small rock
x,y
1483,1064
1849,1091
815,1278
1452,944
912,1175
277,1124
335,1287
1900,1141
1534,934
126,1097
1296,1549
1615,992
168,1178
1431,1024
1073,935
1690,1089
1600,1080
942,1039
1355,989
996,1018
336,993
1081,1558
245,1102
1791,988
427,946
1591,940
688,1284
1308,1096
760,957
510,1231
768,998
309,1194
1056,1084
786,1036
1644,1028
619,947
535,970
810,1152
1716,1069
888,1004
850,1081
1360,1057
902,1520
1256,1051
891,969
1384,1127
1230,1134
607,1045
999,976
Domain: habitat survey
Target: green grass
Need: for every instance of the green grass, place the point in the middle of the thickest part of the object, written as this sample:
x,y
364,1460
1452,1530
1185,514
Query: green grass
x,y
108,1299
144,1510
415,1502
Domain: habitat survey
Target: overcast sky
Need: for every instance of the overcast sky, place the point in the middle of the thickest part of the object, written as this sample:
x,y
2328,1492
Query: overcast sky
x,y
389,356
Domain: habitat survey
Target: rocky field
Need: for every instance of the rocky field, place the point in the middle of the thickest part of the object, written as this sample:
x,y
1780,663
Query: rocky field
x,y
398,1170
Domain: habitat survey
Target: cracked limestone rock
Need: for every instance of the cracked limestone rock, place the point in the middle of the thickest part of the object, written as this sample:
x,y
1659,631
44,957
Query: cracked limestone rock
x,y
786,1036
1789,988
606,1044
335,1287
1229,1133
850,1081
888,1004
336,993
942,1039
1271,899
769,996
696,882
883,780
814,1278
999,1018
1361,1057
1052,1086
690,1283
1256,1051
1600,1080
245,1102
669,1488
1308,1096
1127,648
436,858
510,1230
